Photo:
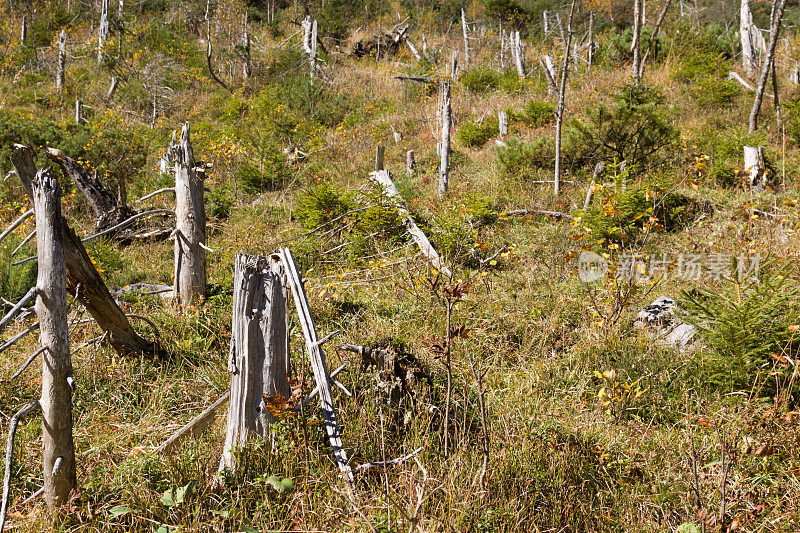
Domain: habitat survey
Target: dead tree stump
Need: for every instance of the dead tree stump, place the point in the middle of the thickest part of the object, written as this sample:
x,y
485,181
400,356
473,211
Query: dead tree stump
x,y
62,59
259,352
444,164
190,228
51,308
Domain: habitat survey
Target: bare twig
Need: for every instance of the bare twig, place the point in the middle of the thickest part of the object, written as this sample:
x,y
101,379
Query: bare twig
x,y
18,307
15,224
27,363
12,430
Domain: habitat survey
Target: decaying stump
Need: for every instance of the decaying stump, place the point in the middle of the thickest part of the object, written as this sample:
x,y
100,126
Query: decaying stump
x,y
755,166
259,353
399,376
190,227
661,320
51,308
83,280
382,45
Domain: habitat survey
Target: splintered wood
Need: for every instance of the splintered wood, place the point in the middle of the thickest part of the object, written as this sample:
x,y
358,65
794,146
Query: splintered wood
x,y
318,364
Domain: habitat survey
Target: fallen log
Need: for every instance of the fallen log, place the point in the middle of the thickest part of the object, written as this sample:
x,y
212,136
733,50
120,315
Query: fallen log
x,y
384,180
83,280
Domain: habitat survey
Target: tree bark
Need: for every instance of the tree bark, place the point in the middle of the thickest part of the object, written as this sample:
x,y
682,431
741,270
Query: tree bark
x,y
561,97
82,277
778,7
190,228
259,352
410,163
51,308
444,161
502,123
380,152
107,210
102,30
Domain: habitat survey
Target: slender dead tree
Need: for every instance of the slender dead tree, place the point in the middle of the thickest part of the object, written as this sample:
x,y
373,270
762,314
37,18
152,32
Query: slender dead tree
x,y
746,34
638,19
102,30
465,31
62,60
778,7
561,104
654,36
444,163
51,308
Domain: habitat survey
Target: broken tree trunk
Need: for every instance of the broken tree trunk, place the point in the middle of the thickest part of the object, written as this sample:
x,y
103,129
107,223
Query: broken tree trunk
x,y
518,52
778,7
465,31
502,123
755,166
384,180
318,364
746,33
113,87
444,154
246,65
79,111
410,163
259,353
190,225
23,34
51,308
638,21
62,59
107,210
380,152
550,73
590,54
561,101
102,30
82,277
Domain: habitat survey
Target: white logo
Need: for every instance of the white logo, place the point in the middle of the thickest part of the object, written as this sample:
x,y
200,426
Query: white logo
x,y
591,267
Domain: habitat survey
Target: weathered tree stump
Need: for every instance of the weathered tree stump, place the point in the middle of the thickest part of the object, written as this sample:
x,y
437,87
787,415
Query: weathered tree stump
x,y
51,308
410,163
259,353
190,228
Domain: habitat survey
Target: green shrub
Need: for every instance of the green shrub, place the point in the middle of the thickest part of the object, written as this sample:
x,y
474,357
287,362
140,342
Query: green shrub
x,y
14,281
636,127
745,323
523,159
220,200
319,204
617,215
724,175
480,79
538,113
791,119
700,64
621,44
477,133
712,92
510,82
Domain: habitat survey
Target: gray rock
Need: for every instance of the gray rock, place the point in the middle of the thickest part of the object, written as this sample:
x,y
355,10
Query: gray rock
x,y
661,319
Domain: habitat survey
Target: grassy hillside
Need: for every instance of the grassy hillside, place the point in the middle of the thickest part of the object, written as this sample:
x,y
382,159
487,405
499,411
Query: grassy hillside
x,y
590,423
